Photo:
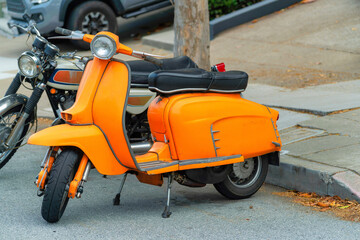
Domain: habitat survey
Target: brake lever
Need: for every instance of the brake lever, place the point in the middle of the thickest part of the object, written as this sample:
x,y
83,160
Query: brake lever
x,y
75,35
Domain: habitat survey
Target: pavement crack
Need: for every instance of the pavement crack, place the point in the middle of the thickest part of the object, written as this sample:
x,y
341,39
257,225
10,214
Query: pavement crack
x,y
324,150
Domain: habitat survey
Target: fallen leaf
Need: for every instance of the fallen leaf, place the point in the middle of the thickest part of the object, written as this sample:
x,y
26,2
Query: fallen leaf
x,y
307,1
324,205
344,207
251,207
306,195
354,29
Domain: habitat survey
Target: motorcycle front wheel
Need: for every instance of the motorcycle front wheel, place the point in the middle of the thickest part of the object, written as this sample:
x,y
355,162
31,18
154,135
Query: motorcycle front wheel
x,y
244,179
7,123
56,191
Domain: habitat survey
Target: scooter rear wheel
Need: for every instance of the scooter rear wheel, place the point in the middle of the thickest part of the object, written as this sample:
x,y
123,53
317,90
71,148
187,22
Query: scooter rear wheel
x,y
56,191
244,179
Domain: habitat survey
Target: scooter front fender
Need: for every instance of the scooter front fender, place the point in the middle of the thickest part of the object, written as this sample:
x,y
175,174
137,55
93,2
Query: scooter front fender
x,y
88,138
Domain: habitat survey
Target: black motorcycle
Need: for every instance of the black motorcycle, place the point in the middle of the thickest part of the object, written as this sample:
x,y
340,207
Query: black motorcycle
x,y
41,69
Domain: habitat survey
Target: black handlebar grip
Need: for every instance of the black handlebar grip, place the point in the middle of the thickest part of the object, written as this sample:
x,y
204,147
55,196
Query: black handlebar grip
x,y
63,31
153,60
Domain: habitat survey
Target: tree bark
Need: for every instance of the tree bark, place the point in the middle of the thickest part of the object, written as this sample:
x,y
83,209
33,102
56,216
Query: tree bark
x,y
192,33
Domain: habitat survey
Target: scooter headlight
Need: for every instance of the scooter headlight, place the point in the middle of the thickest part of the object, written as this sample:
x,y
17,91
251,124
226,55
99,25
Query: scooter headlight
x,y
103,47
29,64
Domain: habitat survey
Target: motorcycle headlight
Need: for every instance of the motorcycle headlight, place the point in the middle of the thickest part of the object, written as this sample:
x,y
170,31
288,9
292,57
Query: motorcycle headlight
x,y
103,47
29,64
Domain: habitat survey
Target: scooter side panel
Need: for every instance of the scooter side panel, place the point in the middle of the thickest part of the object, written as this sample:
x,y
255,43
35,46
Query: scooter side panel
x,y
217,125
109,109
89,139
81,110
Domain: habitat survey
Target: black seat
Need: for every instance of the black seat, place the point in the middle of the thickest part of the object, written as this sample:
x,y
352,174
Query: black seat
x,y
197,80
141,69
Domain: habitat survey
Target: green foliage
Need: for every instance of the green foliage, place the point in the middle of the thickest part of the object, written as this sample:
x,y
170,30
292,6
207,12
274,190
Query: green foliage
x,y
218,8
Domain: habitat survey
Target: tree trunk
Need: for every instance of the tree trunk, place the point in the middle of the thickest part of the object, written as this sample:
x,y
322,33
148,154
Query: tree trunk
x,y
191,25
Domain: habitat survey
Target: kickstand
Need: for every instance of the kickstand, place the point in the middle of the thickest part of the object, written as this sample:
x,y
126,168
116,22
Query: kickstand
x,y
116,200
167,213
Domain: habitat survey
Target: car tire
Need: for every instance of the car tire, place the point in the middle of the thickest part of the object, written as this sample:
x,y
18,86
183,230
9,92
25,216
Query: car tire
x,y
91,17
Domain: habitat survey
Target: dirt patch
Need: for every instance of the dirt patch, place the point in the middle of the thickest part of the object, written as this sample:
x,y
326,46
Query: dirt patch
x,y
342,208
294,78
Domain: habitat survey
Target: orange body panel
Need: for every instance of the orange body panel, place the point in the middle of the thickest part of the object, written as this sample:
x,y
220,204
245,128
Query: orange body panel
x,y
109,109
156,180
209,125
88,138
41,180
81,111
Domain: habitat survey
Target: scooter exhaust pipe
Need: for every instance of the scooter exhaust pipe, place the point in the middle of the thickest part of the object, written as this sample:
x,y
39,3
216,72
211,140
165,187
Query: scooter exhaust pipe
x,y
141,147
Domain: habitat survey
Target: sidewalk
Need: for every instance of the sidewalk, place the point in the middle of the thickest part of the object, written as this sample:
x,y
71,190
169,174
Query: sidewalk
x,y
303,61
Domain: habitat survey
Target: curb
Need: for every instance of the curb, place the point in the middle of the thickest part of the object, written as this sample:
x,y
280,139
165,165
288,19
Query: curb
x,y
247,14
345,183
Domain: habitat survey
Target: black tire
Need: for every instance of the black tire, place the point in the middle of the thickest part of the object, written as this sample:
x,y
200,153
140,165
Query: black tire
x,y
99,14
62,173
235,187
15,112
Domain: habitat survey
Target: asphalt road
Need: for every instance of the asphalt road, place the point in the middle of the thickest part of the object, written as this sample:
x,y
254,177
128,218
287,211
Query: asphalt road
x,y
197,213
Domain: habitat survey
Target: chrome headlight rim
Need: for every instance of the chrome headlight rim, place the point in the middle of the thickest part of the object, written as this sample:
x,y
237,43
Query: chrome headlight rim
x,y
94,50
35,59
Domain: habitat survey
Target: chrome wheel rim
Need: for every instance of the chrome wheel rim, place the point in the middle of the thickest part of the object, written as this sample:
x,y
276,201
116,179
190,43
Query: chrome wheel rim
x,y
245,174
94,22
8,122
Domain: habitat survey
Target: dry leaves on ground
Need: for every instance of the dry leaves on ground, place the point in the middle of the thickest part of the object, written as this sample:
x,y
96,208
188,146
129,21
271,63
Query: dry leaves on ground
x,y
307,1
343,208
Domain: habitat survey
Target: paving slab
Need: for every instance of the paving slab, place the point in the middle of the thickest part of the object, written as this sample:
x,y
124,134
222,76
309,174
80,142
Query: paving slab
x,y
163,39
290,118
321,100
344,156
296,134
336,124
319,144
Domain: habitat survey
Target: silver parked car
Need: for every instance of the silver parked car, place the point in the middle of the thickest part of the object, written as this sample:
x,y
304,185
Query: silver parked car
x,y
88,16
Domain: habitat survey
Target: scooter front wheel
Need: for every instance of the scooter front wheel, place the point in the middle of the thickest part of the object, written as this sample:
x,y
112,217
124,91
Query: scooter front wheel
x,y
244,179
56,191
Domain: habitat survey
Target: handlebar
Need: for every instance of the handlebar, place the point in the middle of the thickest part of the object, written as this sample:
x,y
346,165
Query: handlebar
x,y
63,31
31,25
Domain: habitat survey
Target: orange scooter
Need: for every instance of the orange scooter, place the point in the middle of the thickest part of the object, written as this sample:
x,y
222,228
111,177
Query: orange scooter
x,y
203,131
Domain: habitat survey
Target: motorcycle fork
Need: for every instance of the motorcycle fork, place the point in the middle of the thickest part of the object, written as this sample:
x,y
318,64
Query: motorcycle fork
x,y
14,86
76,185
29,108
46,166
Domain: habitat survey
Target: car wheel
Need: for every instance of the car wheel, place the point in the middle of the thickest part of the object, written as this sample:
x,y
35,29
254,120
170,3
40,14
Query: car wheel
x,y
91,17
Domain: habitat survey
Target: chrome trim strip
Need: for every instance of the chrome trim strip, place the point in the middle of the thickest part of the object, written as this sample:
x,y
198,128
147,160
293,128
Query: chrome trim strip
x,y
162,165
207,160
213,139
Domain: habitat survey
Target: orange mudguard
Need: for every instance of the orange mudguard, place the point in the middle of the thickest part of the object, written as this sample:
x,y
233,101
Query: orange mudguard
x,y
89,139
